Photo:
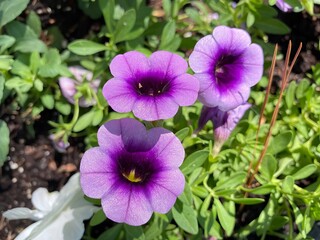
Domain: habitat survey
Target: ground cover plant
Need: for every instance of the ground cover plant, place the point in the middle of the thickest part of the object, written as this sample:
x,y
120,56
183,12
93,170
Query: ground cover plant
x,y
133,119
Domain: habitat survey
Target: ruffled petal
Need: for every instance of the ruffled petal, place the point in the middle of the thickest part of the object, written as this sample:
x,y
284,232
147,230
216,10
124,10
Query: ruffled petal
x,y
164,189
184,89
43,200
231,40
232,98
167,64
119,94
68,88
22,213
129,65
127,203
209,93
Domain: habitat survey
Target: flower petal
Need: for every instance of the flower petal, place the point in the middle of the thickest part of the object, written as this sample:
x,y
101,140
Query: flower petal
x,y
209,94
251,62
231,40
68,88
96,160
26,232
184,89
168,151
128,133
155,108
43,200
164,189
127,203
167,64
129,65
22,213
232,98
119,95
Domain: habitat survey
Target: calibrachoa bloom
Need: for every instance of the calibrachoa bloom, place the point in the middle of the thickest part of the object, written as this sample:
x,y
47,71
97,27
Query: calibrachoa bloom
x,y
283,6
223,122
59,215
70,86
152,88
133,171
227,65
58,143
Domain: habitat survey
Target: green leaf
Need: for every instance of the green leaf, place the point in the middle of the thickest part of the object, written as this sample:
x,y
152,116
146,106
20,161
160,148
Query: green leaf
x,y
200,191
84,121
98,116
134,232
38,84
247,201
304,172
186,196
47,100
6,62
4,142
168,34
20,31
167,6
264,189
226,220
269,166
124,25
288,184
86,47
63,107
34,22
9,10
231,181
1,86
250,19
97,218
308,5
26,45
51,64
280,142
290,94
185,217
6,41
302,88
107,8
111,233
18,84
182,133
272,26
194,161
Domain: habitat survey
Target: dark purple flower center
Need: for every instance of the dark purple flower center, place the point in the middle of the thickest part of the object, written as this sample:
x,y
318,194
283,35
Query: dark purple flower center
x,y
135,167
152,86
222,70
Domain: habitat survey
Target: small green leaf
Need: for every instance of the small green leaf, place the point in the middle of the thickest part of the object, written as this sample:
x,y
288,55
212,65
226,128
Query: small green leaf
x,y
302,88
98,116
272,26
34,22
183,133
288,184
280,142
86,47
47,100
247,201
97,218
124,25
4,142
194,161
226,220
200,191
26,45
231,181
111,233
6,41
1,86
9,10
250,19
185,217
107,8
264,189
134,232
168,34
38,84
304,172
269,166
63,107
84,121
290,94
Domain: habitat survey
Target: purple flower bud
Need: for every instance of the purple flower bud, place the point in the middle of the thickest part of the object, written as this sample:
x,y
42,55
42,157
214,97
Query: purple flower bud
x,y
223,122
69,85
227,65
134,171
283,6
152,88
58,143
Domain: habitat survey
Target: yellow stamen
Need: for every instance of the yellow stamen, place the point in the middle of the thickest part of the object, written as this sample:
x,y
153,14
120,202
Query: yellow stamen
x,y
132,176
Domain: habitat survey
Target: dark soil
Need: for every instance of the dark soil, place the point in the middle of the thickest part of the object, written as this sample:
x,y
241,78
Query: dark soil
x,y
34,163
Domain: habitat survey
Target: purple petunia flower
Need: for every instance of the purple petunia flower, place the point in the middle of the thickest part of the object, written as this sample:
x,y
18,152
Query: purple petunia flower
x,y
133,171
152,88
283,6
223,122
69,86
227,65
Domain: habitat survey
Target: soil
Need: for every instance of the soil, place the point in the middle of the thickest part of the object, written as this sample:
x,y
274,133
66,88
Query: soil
x,y
34,163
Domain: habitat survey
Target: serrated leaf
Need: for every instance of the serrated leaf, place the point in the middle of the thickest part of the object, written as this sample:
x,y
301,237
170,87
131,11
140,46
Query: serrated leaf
x,y
86,47
4,141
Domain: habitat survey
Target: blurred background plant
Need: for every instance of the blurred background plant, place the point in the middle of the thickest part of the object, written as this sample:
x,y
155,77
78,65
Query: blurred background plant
x,y
36,53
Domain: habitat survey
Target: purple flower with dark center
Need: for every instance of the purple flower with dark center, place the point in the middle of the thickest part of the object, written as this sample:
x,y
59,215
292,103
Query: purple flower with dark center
x,y
70,86
223,122
152,88
134,171
227,65
283,6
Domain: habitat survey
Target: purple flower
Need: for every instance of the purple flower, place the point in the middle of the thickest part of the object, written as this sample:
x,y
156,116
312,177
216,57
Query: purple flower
x,y
223,122
59,143
70,86
283,6
133,171
227,65
152,88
